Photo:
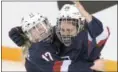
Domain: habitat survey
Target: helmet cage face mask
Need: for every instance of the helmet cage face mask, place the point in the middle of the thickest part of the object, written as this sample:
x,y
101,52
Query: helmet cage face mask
x,y
69,14
67,38
37,29
38,32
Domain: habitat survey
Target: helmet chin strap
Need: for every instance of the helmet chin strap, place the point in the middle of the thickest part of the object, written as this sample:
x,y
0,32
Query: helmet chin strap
x,y
66,40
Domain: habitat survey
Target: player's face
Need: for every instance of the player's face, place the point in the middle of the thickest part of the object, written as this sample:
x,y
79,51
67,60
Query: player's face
x,y
38,32
68,29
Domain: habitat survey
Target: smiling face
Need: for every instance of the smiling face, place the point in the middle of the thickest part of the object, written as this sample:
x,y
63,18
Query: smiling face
x,y
36,27
67,30
39,32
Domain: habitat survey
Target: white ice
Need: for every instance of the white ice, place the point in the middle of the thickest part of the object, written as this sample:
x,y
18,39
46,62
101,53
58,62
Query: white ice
x,y
12,66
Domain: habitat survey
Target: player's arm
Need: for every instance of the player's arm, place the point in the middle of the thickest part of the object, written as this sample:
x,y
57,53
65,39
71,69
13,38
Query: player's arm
x,y
94,25
18,37
98,33
96,45
83,12
94,53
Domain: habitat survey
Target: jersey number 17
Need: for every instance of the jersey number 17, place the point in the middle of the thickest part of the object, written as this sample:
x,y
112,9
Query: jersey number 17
x,y
47,56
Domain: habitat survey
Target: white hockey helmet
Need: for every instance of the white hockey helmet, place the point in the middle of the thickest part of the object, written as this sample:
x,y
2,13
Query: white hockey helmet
x,y
36,27
69,13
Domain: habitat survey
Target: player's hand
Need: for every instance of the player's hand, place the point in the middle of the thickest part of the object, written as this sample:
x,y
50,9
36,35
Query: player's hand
x,y
98,65
16,35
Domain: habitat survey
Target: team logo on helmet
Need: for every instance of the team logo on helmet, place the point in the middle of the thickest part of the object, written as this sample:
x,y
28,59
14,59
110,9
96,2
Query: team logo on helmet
x,y
67,8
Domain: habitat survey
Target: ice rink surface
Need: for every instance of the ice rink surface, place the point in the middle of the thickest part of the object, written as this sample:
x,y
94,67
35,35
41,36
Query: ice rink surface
x,y
12,66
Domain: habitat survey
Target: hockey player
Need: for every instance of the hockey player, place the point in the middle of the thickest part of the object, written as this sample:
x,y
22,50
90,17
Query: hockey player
x,y
36,35
83,35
